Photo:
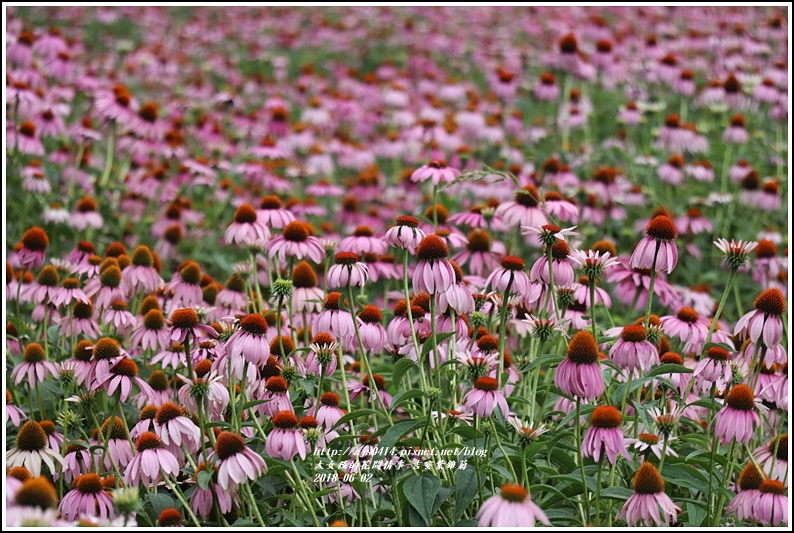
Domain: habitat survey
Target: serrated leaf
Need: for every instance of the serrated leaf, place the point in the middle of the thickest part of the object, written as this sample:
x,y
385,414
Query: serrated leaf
x,y
421,491
400,368
402,397
161,502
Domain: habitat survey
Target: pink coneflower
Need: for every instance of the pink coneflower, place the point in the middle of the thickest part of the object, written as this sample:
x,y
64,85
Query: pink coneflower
x,y
104,289
364,386
713,369
672,171
307,296
34,245
333,319
478,253
272,215
35,181
277,393
69,293
44,289
151,462
373,335
12,411
604,435
764,321
771,507
186,286
201,501
286,440
151,333
322,355
747,493
673,137
405,233
485,397
630,114
27,142
648,498
564,209
458,297
118,317
246,227
773,457
436,170
363,241
633,352
657,250
295,241
88,497
512,507
250,342
434,273
119,451
547,89
694,222
175,429
32,448
141,273
237,462
77,460
739,416
122,376
524,211
579,374
769,198
34,366
560,266
86,215
735,133
328,413
347,270
688,326
185,323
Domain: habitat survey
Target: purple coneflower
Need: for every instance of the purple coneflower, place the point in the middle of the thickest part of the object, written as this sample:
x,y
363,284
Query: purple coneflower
x,y
296,241
747,493
657,250
185,323
88,496
773,457
151,333
286,440
648,498
485,397
578,374
151,462
32,448
771,507
237,462
434,273
764,321
512,507
175,429
141,273
250,342
437,170
347,270
405,233
365,387
604,435
738,418
633,351
34,366
246,227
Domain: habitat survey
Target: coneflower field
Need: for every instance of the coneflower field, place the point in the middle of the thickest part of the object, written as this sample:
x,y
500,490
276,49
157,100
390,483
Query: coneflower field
x,y
396,266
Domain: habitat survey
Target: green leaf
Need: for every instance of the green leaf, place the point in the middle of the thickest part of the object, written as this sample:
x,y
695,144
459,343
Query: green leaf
x,y
466,489
668,368
400,368
429,345
253,403
357,414
204,477
52,334
161,502
421,491
402,397
397,431
617,493
695,513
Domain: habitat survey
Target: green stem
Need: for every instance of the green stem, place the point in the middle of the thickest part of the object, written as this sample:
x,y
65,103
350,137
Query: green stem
x,y
598,495
504,454
724,485
650,286
592,310
109,158
728,284
585,510
503,330
181,497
